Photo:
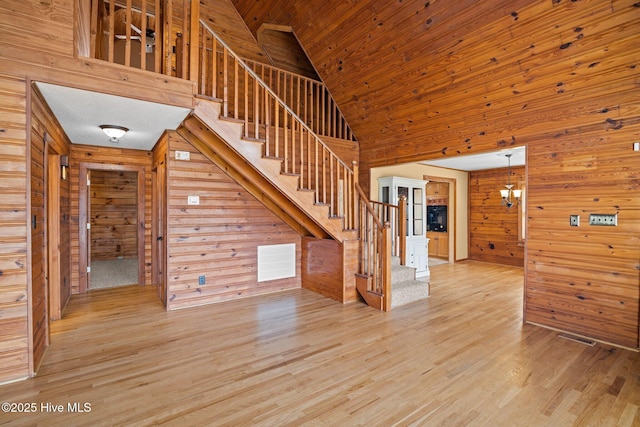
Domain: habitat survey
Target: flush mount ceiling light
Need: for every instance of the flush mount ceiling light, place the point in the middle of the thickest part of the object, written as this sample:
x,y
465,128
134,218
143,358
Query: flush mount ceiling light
x,y
508,192
114,132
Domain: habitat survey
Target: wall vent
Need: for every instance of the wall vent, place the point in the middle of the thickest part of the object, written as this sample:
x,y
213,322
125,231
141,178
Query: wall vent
x,y
276,262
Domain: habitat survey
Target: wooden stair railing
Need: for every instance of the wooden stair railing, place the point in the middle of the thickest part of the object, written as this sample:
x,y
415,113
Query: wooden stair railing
x,y
308,98
374,277
396,216
245,98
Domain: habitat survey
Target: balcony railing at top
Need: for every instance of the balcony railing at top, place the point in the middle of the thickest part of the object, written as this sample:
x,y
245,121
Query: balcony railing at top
x,y
150,35
308,98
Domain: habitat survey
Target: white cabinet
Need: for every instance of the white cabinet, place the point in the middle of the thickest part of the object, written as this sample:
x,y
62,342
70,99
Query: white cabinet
x,y
391,188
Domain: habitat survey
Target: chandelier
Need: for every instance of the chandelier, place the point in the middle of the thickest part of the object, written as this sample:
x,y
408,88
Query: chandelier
x,y
509,193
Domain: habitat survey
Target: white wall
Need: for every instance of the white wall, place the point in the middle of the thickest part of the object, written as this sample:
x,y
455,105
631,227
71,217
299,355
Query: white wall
x,y
418,171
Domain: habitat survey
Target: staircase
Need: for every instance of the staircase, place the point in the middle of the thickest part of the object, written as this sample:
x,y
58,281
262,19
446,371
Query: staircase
x,y
244,127
221,139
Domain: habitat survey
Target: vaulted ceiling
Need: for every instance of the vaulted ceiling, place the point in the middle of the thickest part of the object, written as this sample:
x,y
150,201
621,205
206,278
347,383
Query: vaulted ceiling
x,y
431,79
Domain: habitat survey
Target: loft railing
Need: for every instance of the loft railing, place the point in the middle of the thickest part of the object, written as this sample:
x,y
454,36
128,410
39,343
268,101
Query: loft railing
x,y
151,35
245,98
308,98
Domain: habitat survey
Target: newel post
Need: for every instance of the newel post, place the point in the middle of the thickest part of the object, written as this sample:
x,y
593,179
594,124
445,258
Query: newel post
x,y
356,195
386,265
402,229
194,40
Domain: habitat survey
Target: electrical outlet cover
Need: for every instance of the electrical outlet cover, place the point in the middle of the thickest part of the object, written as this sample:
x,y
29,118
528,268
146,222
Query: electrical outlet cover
x,y
603,219
574,220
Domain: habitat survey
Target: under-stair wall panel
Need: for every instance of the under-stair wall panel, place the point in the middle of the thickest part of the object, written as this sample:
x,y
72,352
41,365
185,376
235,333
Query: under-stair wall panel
x,y
218,238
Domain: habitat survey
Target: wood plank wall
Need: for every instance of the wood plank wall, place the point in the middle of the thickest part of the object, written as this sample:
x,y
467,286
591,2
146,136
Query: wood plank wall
x,y
38,225
47,139
114,214
585,279
14,335
493,229
217,239
38,41
223,18
107,155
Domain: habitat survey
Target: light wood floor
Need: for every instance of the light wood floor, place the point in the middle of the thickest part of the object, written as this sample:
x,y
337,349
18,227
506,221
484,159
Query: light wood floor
x,y
462,357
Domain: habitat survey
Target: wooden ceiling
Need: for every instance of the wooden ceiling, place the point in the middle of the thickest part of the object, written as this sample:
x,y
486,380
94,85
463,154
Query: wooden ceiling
x,y
430,79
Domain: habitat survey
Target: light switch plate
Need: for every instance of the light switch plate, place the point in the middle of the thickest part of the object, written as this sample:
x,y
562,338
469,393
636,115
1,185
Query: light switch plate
x,y
183,155
603,219
574,220
193,200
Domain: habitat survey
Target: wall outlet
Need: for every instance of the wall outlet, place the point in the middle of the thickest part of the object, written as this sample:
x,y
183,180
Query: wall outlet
x,y
201,280
603,219
574,220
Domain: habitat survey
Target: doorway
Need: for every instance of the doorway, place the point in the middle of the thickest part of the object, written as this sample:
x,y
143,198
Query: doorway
x,y
441,224
111,210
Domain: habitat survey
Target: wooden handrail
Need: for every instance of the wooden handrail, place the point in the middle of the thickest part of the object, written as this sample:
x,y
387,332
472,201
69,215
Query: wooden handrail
x,y
309,98
247,98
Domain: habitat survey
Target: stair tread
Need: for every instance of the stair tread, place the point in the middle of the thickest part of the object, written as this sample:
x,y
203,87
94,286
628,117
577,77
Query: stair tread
x,y
252,139
209,98
409,284
407,292
231,119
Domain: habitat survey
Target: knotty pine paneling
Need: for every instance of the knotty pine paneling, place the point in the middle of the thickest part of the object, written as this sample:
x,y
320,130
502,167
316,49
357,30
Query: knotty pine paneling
x,y
223,18
107,156
436,79
38,41
39,303
493,229
14,301
217,239
585,279
47,139
114,213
